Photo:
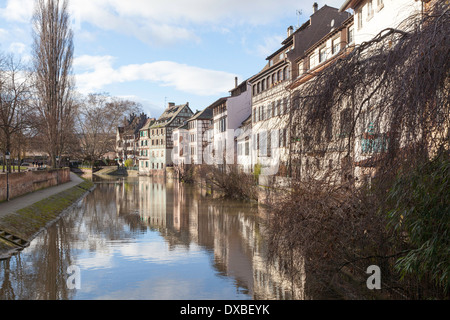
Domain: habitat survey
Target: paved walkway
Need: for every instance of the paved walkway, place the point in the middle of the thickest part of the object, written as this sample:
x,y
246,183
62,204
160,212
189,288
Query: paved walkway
x,y
28,199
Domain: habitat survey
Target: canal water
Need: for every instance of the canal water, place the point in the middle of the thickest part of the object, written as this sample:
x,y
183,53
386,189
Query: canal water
x,y
143,238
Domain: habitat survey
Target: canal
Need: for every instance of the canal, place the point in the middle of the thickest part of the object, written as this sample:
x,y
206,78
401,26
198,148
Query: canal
x,y
143,238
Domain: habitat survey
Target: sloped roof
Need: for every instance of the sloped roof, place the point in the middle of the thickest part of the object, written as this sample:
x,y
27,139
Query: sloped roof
x,y
312,31
169,115
149,122
205,114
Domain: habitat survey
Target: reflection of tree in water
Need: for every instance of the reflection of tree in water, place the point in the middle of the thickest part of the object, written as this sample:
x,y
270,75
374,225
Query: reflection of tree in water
x,y
6,288
228,230
41,273
110,208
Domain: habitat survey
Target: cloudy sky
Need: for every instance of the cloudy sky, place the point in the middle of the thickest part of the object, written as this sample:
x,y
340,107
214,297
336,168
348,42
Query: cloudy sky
x,y
156,51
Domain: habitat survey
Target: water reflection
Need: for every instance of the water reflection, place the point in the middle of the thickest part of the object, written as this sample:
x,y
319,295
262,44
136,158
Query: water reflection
x,y
143,238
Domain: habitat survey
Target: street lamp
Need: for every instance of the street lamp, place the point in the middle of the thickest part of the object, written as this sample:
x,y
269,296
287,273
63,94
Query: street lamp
x,y
7,156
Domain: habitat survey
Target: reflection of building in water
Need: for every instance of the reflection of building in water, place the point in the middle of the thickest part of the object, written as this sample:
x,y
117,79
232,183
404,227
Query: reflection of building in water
x,y
127,196
230,230
155,201
238,253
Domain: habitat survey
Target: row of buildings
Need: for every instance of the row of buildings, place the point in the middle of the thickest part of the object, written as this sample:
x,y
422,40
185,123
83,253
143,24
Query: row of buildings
x,y
251,126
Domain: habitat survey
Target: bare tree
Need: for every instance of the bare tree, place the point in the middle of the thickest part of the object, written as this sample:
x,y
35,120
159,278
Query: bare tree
x,y
14,103
382,109
97,120
53,55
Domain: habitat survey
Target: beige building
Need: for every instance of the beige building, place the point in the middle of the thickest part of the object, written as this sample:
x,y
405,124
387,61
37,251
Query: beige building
x,y
271,96
161,131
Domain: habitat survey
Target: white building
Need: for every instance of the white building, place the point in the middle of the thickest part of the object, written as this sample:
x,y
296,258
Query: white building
x,y
244,146
271,98
373,16
197,127
228,115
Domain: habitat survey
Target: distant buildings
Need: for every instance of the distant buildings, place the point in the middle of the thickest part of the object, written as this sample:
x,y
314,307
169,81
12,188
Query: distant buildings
x,y
161,134
127,138
252,127
144,147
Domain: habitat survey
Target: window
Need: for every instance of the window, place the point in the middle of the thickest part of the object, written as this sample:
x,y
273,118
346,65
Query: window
x,y
351,35
269,143
360,19
263,85
247,148
146,164
257,142
282,138
345,122
336,45
322,54
300,68
369,9
280,75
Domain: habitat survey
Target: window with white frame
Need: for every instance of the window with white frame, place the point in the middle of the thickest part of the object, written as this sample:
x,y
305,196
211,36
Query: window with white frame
x,y
369,9
360,19
351,35
300,68
336,45
322,54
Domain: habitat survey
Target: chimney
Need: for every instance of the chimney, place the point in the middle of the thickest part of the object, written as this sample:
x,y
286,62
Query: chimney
x,y
315,7
171,104
235,82
290,30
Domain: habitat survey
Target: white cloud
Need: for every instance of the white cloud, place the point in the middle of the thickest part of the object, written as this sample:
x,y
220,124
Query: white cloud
x,y
3,34
17,48
269,45
18,10
162,22
96,72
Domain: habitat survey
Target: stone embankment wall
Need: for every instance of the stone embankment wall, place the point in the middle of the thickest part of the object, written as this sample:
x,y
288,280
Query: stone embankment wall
x,y
30,181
